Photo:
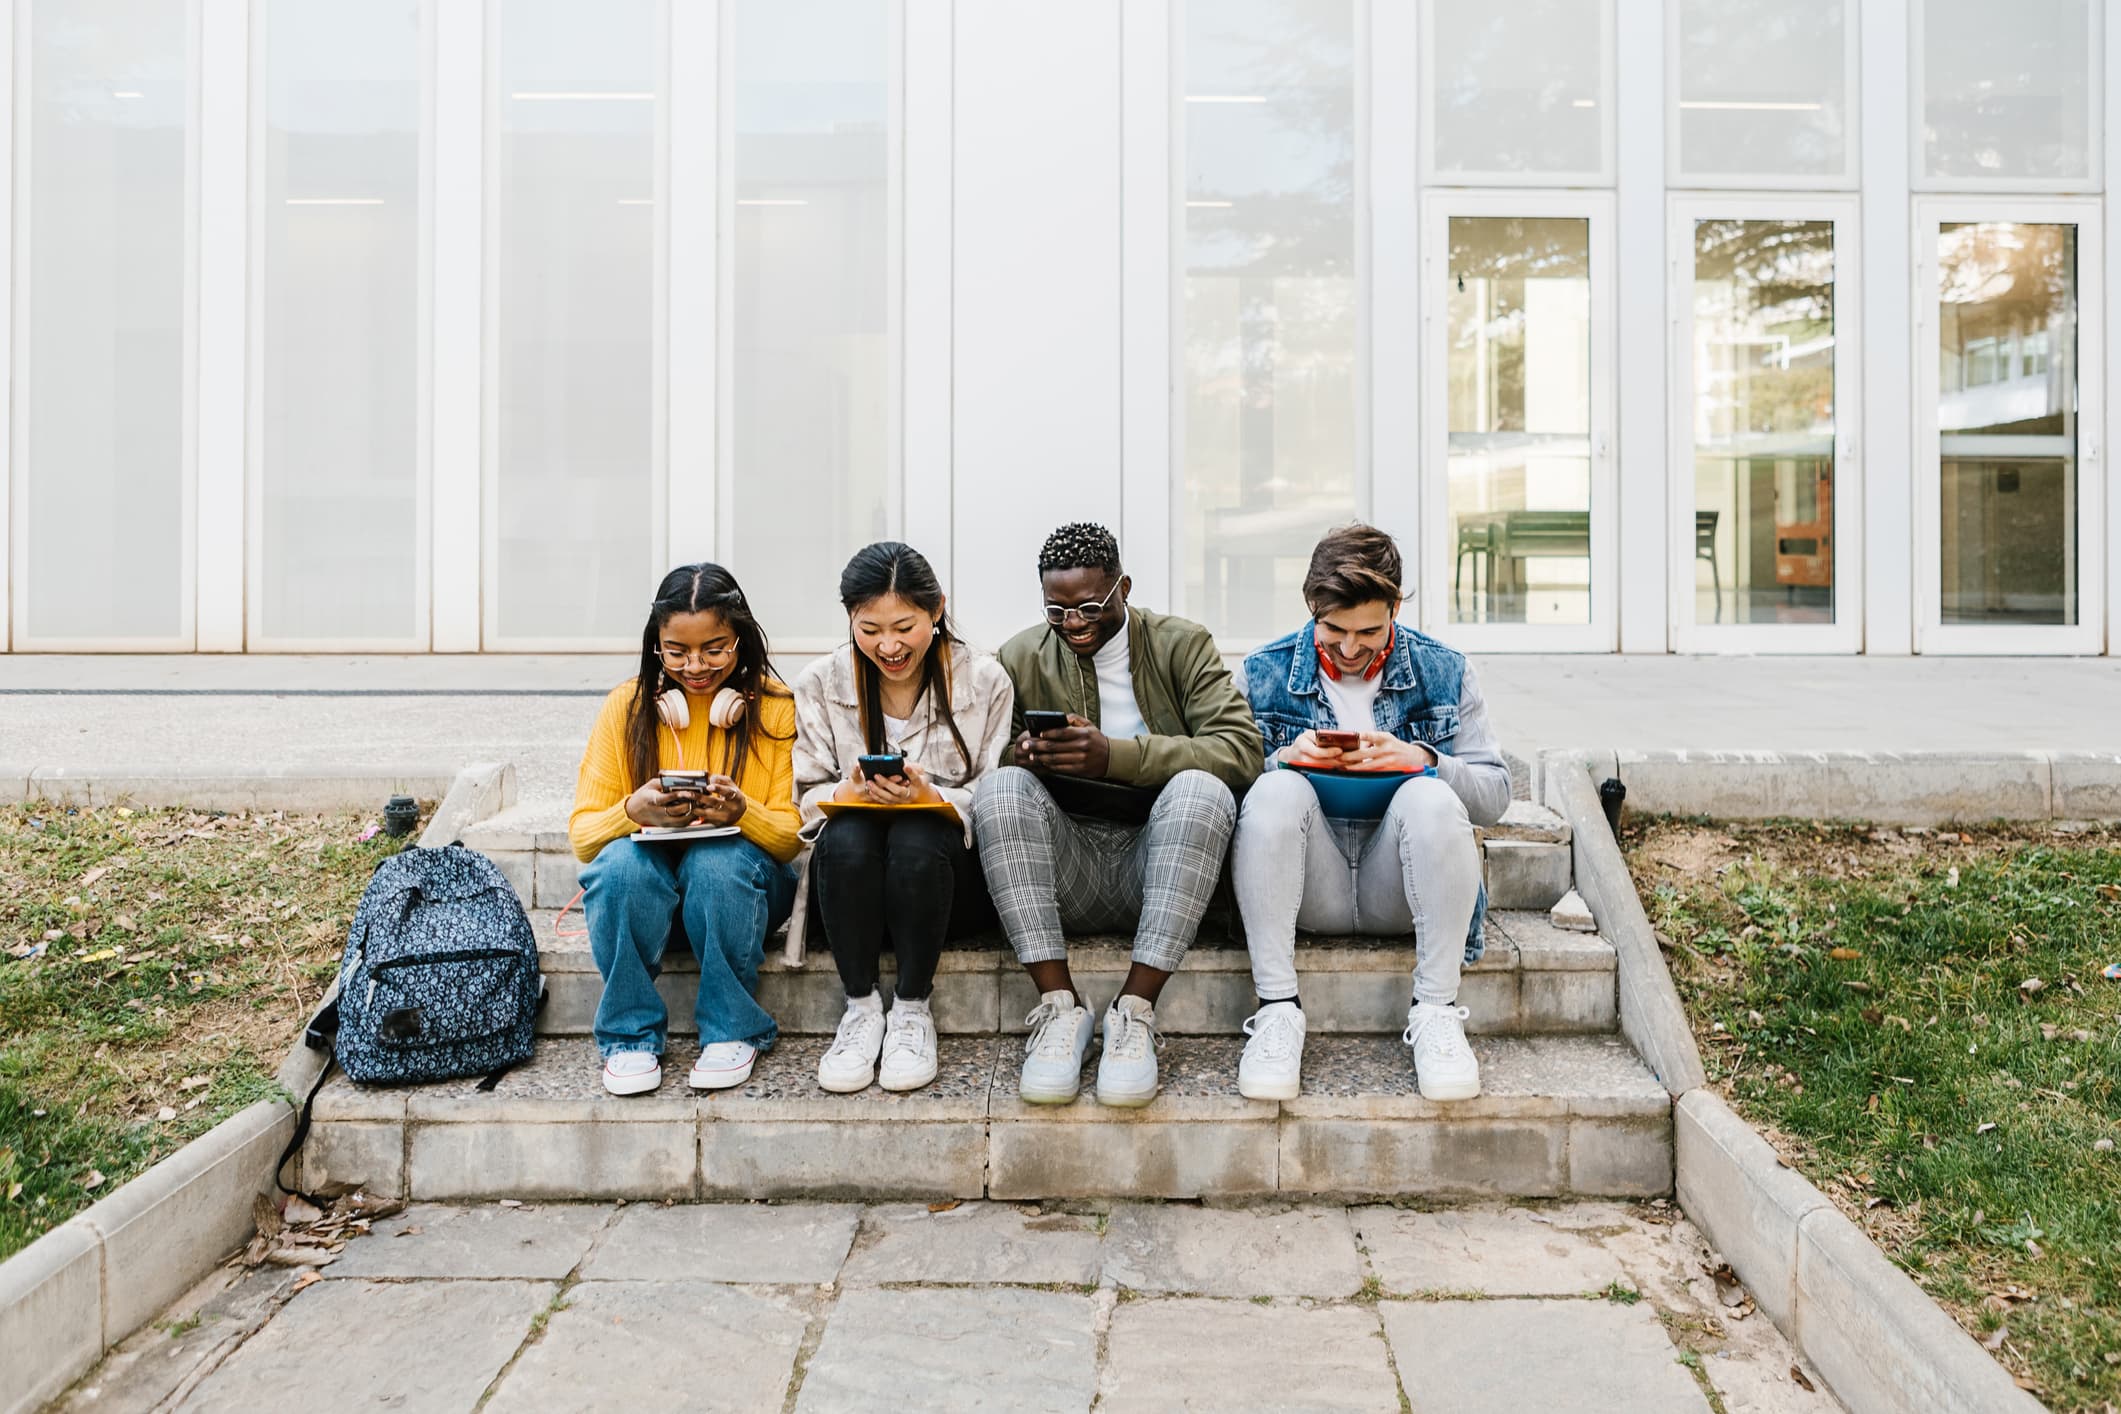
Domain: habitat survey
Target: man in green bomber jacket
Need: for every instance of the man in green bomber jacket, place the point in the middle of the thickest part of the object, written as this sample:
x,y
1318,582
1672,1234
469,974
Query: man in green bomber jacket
x,y
1118,819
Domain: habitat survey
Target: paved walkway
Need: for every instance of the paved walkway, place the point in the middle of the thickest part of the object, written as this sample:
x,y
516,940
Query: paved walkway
x,y
826,1307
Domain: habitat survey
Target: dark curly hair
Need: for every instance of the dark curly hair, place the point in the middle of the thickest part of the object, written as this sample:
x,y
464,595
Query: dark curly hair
x,y
1080,545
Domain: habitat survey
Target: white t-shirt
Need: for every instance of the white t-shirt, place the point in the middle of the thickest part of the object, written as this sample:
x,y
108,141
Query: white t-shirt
x,y
1354,700
1117,714
896,729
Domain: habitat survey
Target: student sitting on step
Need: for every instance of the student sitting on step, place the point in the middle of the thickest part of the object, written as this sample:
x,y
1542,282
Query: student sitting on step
x,y
904,692
1413,707
1129,744
706,702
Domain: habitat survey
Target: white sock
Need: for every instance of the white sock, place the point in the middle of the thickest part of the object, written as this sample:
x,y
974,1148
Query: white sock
x,y
907,1004
873,1002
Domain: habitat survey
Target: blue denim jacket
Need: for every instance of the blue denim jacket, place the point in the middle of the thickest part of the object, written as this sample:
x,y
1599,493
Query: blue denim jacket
x,y
1426,694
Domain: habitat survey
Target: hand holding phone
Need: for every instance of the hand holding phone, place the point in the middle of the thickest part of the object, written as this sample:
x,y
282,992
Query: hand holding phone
x,y
882,764
1039,722
1338,741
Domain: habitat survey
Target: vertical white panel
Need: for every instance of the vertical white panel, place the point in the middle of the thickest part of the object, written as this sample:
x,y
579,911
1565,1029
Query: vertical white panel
x,y
224,232
926,244
1147,291
691,201
1643,333
1037,305
459,226
8,101
2111,152
1887,286
1394,268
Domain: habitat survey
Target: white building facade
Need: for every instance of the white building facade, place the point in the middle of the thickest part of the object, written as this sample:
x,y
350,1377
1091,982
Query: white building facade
x,y
1646,325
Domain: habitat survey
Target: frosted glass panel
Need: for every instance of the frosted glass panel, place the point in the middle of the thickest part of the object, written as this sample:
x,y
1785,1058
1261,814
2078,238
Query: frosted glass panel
x,y
1516,86
1518,349
1763,415
1763,88
814,425
100,372
339,362
575,436
2006,89
1270,338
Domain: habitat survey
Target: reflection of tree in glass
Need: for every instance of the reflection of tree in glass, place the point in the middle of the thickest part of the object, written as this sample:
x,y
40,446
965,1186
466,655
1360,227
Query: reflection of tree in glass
x,y
1495,256
2007,296
1773,280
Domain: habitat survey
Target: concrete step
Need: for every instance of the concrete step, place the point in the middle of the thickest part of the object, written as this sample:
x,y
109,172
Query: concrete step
x,y
1559,1115
1526,857
1535,979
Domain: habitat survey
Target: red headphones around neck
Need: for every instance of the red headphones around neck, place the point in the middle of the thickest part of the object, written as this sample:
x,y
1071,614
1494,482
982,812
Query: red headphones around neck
x,y
1377,664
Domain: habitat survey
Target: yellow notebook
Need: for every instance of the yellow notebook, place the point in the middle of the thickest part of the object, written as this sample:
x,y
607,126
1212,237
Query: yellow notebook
x,y
940,807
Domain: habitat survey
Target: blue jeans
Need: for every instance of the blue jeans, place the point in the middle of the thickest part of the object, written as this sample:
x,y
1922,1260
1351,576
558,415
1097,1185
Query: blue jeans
x,y
726,895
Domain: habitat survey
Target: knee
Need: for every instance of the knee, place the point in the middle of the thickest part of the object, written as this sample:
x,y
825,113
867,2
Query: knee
x,y
622,868
721,867
1197,798
843,841
1277,804
1008,799
1427,808
923,843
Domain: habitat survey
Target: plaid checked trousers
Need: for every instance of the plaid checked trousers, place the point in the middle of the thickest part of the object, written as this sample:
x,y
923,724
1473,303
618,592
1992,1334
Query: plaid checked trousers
x,y
1052,873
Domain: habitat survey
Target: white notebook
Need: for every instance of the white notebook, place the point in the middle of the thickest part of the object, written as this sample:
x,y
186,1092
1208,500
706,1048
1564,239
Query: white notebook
x,y
686,832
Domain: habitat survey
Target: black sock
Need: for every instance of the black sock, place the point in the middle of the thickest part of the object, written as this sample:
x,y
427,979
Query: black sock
x,y
1292,999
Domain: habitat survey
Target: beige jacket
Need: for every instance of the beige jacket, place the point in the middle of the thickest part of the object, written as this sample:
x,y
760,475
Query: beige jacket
x,y
828,738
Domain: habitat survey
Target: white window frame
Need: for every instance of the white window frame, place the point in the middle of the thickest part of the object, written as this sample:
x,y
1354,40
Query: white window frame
x,y
1601,633
1845,633
491,99
185,640
1601,176
1847,179
256,637
2095,117
727,531
2087,635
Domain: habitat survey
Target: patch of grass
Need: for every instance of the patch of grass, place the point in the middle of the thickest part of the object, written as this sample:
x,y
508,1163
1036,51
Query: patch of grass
x,y
1619,1293
152,961
1373,1291
1920,1022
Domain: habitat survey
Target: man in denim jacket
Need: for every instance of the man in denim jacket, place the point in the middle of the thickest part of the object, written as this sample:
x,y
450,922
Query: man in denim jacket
x,y
1415,707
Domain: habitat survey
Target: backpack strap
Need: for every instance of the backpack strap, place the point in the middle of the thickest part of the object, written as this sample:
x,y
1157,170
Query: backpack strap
x,y
494,1078
323,1029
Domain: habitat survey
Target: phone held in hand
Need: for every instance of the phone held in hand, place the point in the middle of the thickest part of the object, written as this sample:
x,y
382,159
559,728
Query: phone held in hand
x,y
1038,723
684,782
892,765
1339,741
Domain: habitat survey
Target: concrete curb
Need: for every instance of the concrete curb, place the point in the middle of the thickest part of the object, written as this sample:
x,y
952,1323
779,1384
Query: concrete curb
x,y
479,792
1651,1017
1888,787
300,789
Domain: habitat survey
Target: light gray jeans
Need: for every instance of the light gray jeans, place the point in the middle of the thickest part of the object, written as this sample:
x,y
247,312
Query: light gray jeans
x,y
1415,870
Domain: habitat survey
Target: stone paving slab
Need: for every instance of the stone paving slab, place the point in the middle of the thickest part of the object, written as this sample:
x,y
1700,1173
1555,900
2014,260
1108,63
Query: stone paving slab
x,y
360,1345
1492,1251
746,1242
945,1350
1504,1357
1232,1252
155,1363
1236,1355
644,1346
542,1241
976,1242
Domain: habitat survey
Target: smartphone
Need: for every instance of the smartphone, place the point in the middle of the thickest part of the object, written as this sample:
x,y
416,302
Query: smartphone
x,y
1339,741
892,765
1039,723
685,782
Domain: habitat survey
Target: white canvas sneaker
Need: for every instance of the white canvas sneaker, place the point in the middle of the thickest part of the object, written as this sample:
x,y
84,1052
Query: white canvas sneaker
x,y
909,1046
850,1064
723,1065
1053,1052
1273,1063
632,1072
1126,1072
1443,1062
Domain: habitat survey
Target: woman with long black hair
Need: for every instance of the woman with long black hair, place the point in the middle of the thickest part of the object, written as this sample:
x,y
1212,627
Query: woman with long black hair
x,y
706,704
905,686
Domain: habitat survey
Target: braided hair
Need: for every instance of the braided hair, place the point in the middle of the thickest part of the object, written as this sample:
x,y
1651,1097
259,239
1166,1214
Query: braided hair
x,y
1080,545
685,590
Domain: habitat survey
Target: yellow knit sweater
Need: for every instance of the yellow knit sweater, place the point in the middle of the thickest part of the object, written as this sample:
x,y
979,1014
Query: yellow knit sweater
x,y
767,775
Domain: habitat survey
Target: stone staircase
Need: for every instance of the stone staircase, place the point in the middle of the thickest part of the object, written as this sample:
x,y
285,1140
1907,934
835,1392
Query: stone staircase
x,y
1566,1108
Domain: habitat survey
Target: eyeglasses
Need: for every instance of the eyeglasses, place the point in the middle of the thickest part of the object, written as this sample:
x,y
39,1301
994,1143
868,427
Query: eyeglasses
x,y
1088,613
705,657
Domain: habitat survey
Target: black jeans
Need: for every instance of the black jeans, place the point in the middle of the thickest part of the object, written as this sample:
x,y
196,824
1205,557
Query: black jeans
x,y
908,876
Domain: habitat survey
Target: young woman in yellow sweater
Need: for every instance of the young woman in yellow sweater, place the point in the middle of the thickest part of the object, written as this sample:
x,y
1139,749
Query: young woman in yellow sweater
x,y
706,700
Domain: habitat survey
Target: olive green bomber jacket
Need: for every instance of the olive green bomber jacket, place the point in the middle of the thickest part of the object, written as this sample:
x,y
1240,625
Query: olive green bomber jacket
x,y
1196,717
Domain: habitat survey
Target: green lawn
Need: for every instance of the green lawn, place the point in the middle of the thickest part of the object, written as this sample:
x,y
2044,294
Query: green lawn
x,y
1921,1023
155,966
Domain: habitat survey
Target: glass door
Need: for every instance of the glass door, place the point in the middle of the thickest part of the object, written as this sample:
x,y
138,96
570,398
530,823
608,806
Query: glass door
x,y
1518,336
1766,555
2009,427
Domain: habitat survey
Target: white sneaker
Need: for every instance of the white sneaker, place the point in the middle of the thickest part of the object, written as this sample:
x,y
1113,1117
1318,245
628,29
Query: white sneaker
x,y
1272,1067
909,1046
1443,1062
850,1064
723,1065
632,1072
1126,1072
1053,1052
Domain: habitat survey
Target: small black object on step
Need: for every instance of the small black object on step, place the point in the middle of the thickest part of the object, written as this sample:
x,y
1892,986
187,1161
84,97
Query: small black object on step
x,y
400,815
1610,794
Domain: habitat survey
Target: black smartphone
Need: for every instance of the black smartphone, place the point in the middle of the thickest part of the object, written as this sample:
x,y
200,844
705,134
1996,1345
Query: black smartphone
x,y
1039,723
685,782
892,764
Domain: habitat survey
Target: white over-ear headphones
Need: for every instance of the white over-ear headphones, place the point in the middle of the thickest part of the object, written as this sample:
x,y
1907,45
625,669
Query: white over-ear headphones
x,y
723,711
